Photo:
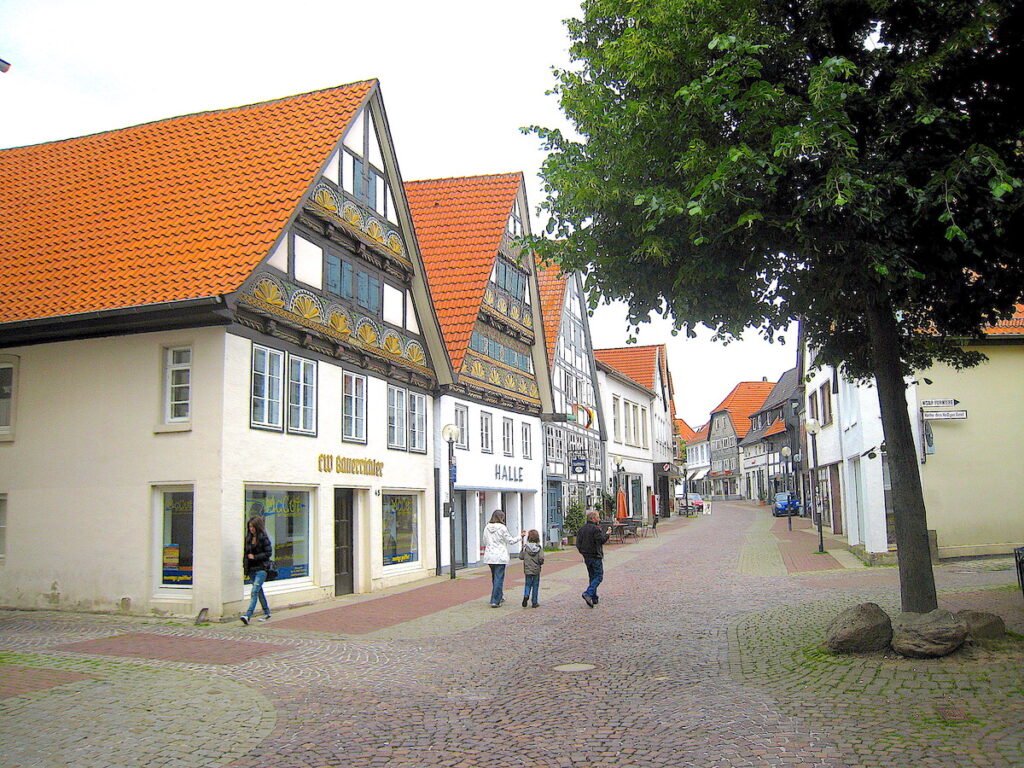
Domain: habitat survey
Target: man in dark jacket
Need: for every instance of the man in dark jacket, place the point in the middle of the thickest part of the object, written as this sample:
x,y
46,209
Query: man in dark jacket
x,y
590,541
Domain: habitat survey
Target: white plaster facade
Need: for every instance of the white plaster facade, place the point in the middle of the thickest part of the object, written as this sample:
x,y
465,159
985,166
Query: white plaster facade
x,y
629,448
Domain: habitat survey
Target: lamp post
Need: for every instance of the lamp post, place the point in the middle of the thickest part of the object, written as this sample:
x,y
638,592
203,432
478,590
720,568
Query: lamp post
x,y
787,452
813,428
452,434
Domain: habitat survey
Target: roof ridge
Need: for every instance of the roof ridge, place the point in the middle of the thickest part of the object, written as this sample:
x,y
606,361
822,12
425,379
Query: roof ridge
x,y
191,114
505,175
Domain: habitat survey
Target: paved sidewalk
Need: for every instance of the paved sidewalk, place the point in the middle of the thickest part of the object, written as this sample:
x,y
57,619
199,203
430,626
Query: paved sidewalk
x,y
704,653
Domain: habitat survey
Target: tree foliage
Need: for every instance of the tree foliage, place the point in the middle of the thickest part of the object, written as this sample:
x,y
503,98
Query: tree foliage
x,y
855,164
747,162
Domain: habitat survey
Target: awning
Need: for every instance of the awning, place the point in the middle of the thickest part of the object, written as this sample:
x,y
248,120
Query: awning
x,y
699,474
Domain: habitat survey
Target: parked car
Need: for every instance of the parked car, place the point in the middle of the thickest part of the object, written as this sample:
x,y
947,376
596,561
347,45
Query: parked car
x,y
693,502
785,504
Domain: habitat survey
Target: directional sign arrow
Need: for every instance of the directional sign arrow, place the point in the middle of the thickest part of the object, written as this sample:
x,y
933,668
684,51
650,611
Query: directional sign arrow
x,y
948,402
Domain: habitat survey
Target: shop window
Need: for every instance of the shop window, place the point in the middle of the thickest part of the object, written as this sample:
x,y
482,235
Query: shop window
x,y
400,529
354,408
462,422
177,384
396,417
176,525
286,516
417,422
267,371
486,436
301,395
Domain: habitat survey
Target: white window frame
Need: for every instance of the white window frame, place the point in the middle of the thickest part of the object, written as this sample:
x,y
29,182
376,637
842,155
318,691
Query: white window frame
x,y
353,390
170,367
486,432
417,419
507,436
461,418
3,526
273,394
10,362
397,418
527,441
159,588
303,408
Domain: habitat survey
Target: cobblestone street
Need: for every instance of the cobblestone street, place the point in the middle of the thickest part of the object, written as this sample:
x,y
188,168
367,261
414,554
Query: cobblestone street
x,y
705,652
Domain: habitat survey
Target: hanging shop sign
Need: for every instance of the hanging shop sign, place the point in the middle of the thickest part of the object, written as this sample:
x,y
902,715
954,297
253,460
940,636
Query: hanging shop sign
x,y
578,467
583,415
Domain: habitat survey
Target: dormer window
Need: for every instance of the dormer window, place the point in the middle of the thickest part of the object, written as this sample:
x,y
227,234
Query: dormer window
x,y
357,168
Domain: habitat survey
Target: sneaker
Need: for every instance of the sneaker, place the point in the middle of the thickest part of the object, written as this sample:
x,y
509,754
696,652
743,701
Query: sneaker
x,y
525,601
494,605
535,605
588,600
244,619
264,618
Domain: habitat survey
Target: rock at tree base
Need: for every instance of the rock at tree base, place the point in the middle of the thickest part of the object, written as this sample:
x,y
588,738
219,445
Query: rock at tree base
x,y
927,635
983,626
865,627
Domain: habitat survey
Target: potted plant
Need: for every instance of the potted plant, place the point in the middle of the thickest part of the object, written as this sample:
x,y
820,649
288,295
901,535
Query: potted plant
x,y
574,520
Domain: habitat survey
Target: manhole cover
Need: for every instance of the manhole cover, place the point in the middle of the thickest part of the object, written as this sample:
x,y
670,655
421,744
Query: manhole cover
x,y
951,713
575,667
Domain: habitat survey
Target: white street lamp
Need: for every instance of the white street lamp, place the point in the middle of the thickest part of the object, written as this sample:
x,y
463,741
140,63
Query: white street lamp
x,y
813,427
451,434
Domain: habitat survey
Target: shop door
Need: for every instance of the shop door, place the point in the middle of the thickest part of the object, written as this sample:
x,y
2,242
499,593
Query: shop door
x,y
636,486
837,499
460,529
554,497
344,582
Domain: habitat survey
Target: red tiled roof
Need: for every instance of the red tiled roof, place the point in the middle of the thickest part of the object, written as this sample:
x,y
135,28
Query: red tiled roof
x,y
552,299
777,427
1012,327
686,434
702,433
177,209
638,363
459,223
745,399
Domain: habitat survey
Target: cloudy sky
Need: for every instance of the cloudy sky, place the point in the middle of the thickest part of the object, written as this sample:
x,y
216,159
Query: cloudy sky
x,y
459,78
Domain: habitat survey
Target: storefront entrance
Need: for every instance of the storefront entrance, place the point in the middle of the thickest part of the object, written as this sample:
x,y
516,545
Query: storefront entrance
x,y
343,542
461,555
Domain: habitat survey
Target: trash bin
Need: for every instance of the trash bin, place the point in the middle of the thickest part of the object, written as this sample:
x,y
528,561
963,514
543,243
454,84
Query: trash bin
x,y
1018,561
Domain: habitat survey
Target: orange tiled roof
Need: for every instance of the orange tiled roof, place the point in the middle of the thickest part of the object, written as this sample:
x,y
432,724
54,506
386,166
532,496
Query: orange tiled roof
x,y
178,209
459,223
1012,327
685,432
702,433
638,363
777,427
745,399
552,299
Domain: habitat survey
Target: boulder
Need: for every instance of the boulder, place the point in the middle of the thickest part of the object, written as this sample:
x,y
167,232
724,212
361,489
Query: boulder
x,y
983,626
865,627
927,635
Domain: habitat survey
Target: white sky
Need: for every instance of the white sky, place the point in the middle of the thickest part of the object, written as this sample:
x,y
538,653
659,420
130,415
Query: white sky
x,y
459,78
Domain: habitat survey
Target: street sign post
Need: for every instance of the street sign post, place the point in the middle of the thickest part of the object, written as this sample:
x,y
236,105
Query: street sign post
x,y
936,415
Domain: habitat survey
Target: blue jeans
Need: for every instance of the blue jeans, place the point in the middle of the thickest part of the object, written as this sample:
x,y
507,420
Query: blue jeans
x,y
595,569
497,584
532,587
257,593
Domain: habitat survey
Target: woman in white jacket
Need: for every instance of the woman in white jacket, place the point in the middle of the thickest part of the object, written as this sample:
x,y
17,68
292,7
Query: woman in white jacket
x,y
496,540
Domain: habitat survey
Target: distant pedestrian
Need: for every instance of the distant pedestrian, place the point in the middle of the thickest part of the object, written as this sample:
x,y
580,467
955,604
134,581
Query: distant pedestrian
x,y
258,551
590,540
496,540
532,555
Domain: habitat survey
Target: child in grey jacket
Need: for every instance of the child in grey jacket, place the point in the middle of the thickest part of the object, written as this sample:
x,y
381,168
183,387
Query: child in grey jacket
x,y
532,556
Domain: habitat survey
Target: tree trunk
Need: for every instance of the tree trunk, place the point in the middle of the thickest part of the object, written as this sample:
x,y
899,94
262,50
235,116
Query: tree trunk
x,y
917,582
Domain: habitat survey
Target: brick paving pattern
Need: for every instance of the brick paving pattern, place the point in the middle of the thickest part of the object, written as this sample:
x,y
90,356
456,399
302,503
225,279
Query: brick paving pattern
x,y
705,652
17,681
141,645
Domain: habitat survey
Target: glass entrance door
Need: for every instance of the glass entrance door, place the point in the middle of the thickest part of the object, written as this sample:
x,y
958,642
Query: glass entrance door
x,y
344,580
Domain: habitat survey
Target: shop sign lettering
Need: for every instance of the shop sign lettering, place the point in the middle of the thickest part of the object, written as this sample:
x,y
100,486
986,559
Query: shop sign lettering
x,y
343,465
508,473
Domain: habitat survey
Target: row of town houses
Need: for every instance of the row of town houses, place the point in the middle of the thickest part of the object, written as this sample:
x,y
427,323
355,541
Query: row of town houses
x,y
249,312
817,435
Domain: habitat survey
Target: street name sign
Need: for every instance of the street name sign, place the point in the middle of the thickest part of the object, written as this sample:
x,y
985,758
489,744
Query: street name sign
x,y
948,402
933,415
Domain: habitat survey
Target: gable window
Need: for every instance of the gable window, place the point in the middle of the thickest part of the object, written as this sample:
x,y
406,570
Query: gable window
x,y
396,417
500,352
507,428
301,395
510,279
462,422
527,442
177,384
353,422
267,370
515,224
417,422
486,441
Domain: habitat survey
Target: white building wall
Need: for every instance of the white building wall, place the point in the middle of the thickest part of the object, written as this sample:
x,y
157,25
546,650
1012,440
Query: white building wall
x,y
634,460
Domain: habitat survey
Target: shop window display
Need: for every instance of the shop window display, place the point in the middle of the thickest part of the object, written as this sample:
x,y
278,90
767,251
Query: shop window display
x,y
286,515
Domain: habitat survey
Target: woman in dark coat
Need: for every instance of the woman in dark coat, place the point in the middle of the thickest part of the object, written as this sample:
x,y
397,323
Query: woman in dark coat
x,y
258,551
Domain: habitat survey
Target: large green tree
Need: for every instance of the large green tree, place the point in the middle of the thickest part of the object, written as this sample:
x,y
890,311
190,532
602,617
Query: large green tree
x,y
855,165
